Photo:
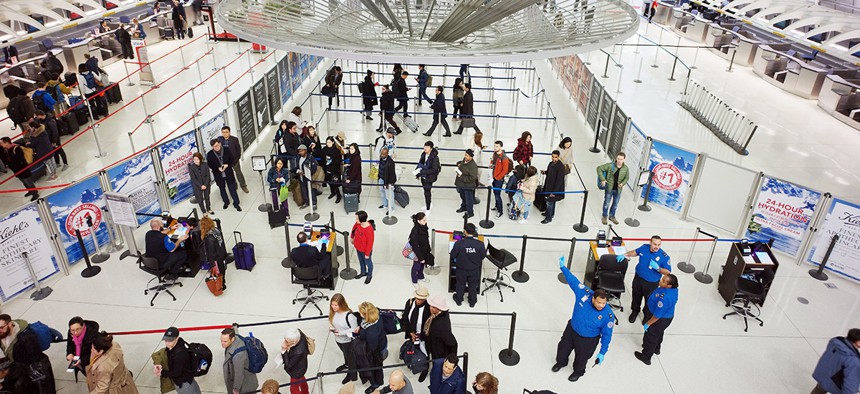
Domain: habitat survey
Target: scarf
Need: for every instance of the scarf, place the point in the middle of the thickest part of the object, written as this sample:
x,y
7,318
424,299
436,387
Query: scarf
x,y
428,323
79,340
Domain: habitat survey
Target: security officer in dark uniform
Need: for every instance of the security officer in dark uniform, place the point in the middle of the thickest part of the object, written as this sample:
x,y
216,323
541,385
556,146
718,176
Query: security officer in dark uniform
x,y
659,312
590,322
653,264
468,253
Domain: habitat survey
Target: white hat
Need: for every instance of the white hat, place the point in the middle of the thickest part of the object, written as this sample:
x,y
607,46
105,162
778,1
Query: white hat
x,y
438,302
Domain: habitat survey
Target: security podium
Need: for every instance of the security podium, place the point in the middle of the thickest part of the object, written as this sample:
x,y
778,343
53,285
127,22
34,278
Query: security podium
x,y
759,258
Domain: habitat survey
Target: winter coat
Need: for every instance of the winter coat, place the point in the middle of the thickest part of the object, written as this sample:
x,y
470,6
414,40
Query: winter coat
x,y
529,186
14,159
332,159
92,330
386,102
235,369
291,143
455,384
21,325
160,358
215,164
386,171
353,174
20,109
368,92
438,105
42,376
501,166
440,341
399,89
412,326
468,179
307,140
235,148
419,239
296,359
554,181
430,166
200,176
566,156
17,381
51,129
840,361
606,172
274,174
468,107
524,151
457,96
375,338
37,139
108,374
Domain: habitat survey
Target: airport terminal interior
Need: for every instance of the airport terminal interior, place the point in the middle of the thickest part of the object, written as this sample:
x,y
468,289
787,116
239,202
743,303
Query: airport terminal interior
x,y
793,143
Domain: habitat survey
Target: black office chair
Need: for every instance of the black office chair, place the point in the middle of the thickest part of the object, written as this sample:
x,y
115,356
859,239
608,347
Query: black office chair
x,y
610,277
749,295
501,258
151,266
311,279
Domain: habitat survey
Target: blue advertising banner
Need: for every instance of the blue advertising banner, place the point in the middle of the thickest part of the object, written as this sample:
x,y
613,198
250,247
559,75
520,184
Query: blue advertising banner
x,y
304,65
782,212
22,232
136,178
843,220
175,156
70,207
285,81
672,169
295,71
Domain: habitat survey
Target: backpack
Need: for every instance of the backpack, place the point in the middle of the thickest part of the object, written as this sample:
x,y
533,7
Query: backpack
x,y
28,153
91,80
54,92
390,322
43,101
312,343
201,358
257,355
14,110
429,80
510,164
46,335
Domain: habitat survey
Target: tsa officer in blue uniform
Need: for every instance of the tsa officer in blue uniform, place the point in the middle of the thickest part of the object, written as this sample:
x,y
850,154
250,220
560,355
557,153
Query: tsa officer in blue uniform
x,y
590,322
653,264
469,253
659,312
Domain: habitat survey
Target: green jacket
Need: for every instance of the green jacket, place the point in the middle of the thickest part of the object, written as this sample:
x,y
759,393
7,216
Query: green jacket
x,y
605,172
469,178
20,325
160,358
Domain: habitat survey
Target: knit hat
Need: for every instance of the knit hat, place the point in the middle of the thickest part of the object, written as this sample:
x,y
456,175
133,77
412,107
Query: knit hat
x,y
303,147
470,152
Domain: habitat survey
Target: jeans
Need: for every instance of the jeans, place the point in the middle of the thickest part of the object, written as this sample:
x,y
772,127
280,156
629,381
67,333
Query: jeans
x,y
383,191
524,205
422,94
365,263
437,117
610,196
464,69
188,388
467,200
550,210
497,184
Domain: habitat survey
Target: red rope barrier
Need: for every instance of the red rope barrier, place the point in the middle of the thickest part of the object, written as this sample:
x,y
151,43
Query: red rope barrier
x,y
36,188
672,239
161,331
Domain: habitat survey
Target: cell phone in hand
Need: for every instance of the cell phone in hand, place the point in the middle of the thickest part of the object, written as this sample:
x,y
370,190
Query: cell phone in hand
x,y
72,363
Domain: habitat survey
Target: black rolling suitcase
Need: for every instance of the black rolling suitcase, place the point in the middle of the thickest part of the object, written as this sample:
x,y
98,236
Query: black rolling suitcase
x,y
540,199
71,123
276,218
114,94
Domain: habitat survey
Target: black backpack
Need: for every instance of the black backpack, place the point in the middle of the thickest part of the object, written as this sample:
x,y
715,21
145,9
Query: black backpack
x,y
201,358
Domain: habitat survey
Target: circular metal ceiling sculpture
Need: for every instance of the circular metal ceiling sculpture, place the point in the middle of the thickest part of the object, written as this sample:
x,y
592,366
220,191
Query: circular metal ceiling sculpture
x,y
435,31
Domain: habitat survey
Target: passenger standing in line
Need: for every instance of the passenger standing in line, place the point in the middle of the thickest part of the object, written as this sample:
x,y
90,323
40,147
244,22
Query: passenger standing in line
x,y
437,330
278,176
553,186
590,322
124,38
478,147
422,79
201,179
333,79
307,167
28,354
37,139
370,330
439,114
428,171
342,322
524,152
500,167
525,196
387,110
237,378
415,314
232,144
485,383
219,160
88,82
79,342
841,359
467,110
362,238
50,124
179,366
447,377
387,178
294,354
468,253
565,150
291,141
612,177
653,264
659,312
212,247
13,156
466,183
419,240
333,159
368,95
352,166
178,16
107,372
464,71
457,97
401,93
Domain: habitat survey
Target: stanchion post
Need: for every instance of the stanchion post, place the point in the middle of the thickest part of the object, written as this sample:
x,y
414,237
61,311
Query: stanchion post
x,y
594,148
510,356
520,275
311,216
389,219
672,74
561,277
264,207
339,249
703,276
41,292
91,270
639,73
129,82
347,273
657,53
98,256
686,266
732,61
487,223
581,227
131,142
644,207
606,67
818,273
287,262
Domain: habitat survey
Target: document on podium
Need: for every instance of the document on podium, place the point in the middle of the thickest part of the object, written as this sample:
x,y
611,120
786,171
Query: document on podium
x,y
619,250
763,258
602,251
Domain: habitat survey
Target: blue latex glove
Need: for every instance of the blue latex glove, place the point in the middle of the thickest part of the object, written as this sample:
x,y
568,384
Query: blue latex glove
x,y
620,258
654,266
646,327
561,261
600,358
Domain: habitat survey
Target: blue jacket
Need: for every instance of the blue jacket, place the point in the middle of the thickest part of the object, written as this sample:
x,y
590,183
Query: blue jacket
x,y
422,78
274,174
840,356
585,319
455,384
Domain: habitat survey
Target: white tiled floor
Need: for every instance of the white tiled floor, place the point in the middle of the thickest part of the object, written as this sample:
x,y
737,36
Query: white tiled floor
x,y
702,353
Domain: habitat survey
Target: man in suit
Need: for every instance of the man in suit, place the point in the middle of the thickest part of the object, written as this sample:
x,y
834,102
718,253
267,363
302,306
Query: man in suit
x,y
400,93
386,107
218,159
232,144
553,185
306,256
439,113
467,111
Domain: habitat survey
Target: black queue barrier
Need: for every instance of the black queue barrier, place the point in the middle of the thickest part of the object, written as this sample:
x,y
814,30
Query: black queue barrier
x,y
91,270
818,273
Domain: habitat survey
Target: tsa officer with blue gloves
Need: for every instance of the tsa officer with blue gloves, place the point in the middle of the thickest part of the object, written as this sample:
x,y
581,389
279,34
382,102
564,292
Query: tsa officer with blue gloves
x,y
659,312
590,322
653,264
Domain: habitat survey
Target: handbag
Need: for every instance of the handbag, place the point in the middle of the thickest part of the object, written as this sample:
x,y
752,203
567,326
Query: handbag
x,y
283,193
215,281
566,169
374,172
408,252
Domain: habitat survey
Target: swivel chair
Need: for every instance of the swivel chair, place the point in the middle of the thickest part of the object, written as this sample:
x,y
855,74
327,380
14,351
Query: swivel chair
x,y
750,292
610,277
311,279
501,258
151,266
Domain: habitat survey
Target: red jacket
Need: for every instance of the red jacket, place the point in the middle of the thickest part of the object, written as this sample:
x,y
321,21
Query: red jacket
x,y
524,151
500,166
362,238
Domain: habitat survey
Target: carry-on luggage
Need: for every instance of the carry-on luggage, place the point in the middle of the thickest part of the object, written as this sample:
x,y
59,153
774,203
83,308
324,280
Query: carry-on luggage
x,y
276,218
82,114
514,212
540,199
243,252
410,123
71,123
114,94
296,190
215,281
350,202
401,196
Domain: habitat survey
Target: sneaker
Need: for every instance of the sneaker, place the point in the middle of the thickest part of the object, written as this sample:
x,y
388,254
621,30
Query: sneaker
x,y
211,212
499,215
52,178
613,219
427,280
522,221
603,220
